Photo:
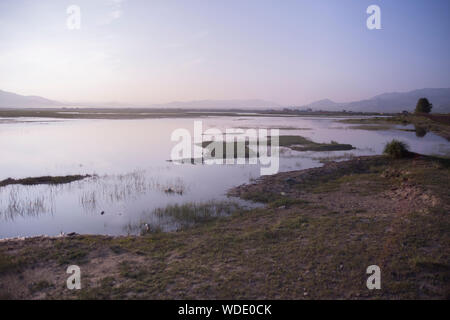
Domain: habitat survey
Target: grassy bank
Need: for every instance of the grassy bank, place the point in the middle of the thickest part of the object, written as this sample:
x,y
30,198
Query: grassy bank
x,y
319,231
436,123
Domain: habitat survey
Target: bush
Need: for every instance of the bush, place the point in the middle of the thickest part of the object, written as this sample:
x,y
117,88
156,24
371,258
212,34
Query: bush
x,y
423,106
396,149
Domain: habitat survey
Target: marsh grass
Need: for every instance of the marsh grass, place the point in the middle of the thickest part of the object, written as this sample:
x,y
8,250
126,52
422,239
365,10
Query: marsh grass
x,y
345,156
28,198
19,201
182,216
108,189
271,253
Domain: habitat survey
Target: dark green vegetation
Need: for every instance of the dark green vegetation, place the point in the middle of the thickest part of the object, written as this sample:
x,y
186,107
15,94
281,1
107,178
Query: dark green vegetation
x,y
183,216
437,123
423,106
43,180
297,143
315,238
396,149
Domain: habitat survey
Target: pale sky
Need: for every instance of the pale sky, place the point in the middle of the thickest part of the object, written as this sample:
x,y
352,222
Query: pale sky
x,y
157,51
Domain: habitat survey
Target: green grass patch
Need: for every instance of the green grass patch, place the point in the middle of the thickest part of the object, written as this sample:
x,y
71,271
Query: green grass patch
x,y
43,180
10,263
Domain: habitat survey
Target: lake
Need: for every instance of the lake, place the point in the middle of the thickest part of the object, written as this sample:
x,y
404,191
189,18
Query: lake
x,y
129,161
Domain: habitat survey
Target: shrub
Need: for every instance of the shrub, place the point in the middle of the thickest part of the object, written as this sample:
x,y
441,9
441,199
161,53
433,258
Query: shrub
x,y
423,106
396,149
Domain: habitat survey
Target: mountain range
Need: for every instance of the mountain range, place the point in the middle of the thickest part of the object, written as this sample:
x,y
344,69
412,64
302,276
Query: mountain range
x,y
390,102
12,100
386,102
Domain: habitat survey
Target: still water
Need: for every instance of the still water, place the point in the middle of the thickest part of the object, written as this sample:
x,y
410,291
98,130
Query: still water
x,y
132,174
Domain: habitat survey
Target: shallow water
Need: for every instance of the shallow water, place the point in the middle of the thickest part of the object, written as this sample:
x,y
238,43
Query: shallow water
x,y
130,157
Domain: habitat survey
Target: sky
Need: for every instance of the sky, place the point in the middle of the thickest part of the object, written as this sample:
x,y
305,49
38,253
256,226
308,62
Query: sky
x,y
158,51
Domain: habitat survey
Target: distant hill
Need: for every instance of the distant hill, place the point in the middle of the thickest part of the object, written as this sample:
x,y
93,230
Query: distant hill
x,y
325,104
386,102
219,104
391,102
12,100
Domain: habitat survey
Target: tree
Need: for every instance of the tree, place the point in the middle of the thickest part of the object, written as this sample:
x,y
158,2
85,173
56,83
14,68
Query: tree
x,y
423,106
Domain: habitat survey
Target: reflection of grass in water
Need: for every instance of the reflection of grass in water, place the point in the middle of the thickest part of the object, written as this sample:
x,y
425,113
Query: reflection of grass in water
x,y
19,204
182,216
88,201
125,187
93,193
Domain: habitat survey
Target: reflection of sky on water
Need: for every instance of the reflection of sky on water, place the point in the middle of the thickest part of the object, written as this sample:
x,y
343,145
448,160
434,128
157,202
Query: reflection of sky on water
x,y
130,158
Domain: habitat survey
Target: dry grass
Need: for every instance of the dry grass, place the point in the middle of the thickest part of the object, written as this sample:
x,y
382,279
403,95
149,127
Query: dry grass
x,y
303,245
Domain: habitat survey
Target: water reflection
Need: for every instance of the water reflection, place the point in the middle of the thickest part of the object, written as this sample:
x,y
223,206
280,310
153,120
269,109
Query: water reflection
x,y
133,177
420,131
14,202
94,193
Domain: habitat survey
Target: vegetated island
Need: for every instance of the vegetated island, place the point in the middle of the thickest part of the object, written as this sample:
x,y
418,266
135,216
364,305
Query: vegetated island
x,y
43,180
318,232
293,142
436,123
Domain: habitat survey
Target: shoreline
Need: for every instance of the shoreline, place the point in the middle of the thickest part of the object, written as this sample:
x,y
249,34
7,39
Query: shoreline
x,y
320,225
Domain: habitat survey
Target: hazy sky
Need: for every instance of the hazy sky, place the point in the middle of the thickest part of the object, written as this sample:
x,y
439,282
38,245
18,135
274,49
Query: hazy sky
x,y
291,52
